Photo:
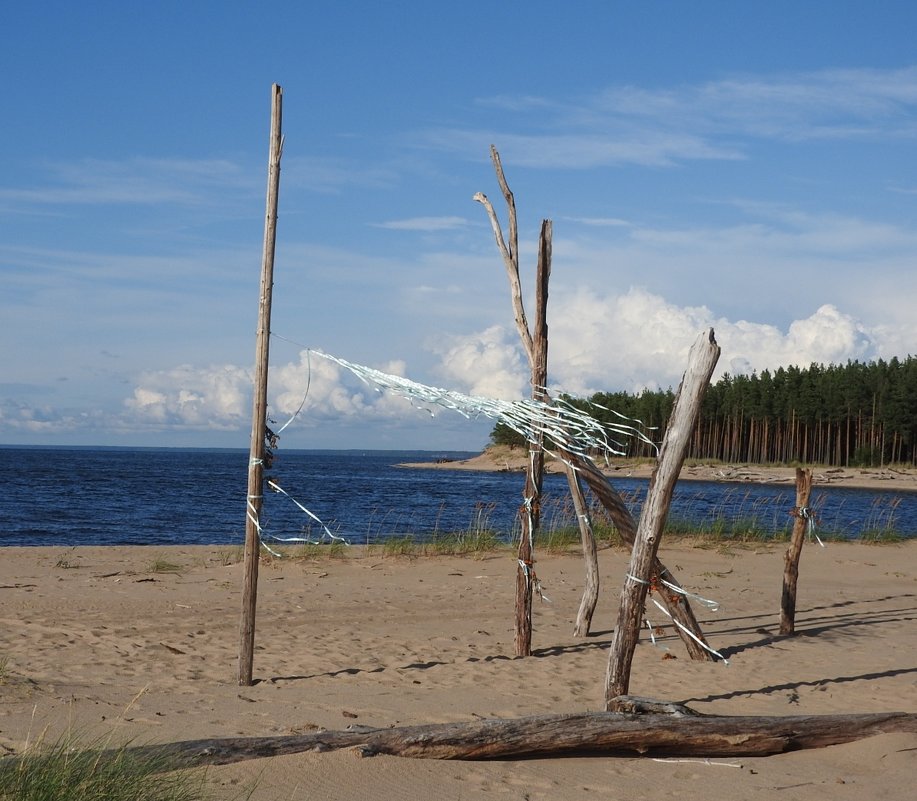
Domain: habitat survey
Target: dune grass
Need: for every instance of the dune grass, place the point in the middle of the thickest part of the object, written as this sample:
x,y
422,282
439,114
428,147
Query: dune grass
x,y
68,769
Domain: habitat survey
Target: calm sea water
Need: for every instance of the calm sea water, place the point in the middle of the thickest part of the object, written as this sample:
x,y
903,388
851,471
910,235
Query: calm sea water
x,y
88,496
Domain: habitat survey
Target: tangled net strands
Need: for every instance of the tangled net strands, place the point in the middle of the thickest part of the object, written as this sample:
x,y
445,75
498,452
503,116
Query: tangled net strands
x,y
558,421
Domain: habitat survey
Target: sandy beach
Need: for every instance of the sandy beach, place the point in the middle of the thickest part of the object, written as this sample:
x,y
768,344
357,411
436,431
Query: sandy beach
x,y
893,479
141,644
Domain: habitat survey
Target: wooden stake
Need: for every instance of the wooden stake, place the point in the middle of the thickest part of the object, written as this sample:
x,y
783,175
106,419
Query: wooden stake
x,y
703,357
259,406
791,560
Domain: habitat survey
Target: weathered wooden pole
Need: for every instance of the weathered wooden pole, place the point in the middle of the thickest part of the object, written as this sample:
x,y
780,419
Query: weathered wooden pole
x,y
530,513
259,406
701,361
536,348
791,560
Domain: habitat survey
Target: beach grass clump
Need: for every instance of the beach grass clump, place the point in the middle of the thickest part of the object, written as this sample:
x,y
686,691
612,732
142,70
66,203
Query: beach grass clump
x,y
75,772
399,546
231,556
463,543
320,550
559,539
161,565
65,561
881,536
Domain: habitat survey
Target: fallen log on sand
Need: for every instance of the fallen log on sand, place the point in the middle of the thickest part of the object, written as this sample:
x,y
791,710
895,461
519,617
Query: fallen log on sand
x,y
638,728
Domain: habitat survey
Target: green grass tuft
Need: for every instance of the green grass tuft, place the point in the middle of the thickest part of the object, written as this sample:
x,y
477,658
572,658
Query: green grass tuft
x,y
68,770
160,565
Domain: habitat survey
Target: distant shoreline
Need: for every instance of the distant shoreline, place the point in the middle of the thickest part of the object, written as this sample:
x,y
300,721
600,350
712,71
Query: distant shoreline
x,y
503,459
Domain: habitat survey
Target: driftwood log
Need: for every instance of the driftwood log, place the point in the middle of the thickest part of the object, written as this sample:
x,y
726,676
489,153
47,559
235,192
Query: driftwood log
x,y
643,728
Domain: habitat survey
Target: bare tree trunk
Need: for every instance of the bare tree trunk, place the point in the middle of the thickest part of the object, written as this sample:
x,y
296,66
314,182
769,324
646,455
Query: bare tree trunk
x,y
673,731
791,560
703,357
536,348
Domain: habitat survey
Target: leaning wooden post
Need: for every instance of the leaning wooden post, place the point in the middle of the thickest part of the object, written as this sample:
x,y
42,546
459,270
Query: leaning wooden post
x,y
590,556
703,357
259,406
791,560
676,604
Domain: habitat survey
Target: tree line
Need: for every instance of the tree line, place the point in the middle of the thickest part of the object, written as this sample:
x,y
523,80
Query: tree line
x,y
861,414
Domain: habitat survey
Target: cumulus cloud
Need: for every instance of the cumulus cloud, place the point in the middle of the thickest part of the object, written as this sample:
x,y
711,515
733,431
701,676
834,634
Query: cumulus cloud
x,y
487,363
627,341
638,340
213,397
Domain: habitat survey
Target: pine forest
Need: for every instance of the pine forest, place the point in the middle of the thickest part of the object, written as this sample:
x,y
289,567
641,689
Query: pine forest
x,y
858,414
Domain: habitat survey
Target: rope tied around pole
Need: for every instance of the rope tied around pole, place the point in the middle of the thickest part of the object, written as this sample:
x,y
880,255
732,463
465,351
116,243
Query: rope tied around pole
x,y
808,514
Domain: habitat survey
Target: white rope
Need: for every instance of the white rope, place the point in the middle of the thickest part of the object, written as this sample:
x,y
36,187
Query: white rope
x,y
666,612
808,515
253,516
277,488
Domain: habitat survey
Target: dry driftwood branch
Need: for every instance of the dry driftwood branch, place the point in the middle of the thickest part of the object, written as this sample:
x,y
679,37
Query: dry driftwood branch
x,y
510,253
665,730
675,604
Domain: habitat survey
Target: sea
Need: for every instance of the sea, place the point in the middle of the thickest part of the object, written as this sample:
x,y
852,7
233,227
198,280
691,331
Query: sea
x,y
73,496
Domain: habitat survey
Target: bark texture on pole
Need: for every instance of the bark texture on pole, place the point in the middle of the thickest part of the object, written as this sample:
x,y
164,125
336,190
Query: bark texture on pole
x,y
701,361
791,560
530,511
590,556
670,734
536,348
259,405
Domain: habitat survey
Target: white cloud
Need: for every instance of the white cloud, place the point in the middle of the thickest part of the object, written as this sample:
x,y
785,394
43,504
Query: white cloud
x,y
214,397
638,340
488,364
664,127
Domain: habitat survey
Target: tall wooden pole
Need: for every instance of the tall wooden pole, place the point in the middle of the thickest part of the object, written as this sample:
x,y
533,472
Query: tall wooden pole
x,y
530,512
703,358
259,405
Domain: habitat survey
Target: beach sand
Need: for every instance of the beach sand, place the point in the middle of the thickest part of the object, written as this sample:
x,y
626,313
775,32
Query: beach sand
x,y
502,458
141,644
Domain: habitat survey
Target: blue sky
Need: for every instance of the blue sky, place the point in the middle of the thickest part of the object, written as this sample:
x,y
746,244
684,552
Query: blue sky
x,y
743,165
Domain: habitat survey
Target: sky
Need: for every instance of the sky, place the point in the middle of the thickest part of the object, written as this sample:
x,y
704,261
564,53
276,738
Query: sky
x,y
745,166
